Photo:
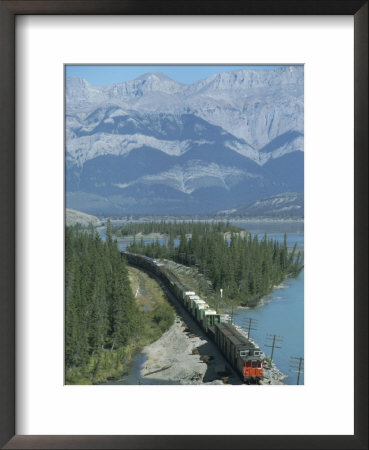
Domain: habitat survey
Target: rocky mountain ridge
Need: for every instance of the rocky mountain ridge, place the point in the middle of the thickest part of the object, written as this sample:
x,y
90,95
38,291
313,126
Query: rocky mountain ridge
x,y
284,205
152,143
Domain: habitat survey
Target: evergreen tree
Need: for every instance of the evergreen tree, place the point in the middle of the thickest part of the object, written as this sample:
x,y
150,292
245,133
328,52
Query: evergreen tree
x,y
100,312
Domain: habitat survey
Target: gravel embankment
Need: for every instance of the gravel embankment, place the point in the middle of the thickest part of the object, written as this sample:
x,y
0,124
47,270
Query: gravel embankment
x,y
185,357
177,356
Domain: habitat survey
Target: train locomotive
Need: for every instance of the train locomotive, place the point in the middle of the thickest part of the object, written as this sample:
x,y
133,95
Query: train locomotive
x,y
242,354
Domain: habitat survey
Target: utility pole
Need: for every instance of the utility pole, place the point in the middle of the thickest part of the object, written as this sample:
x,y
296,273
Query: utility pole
x,y
297,363
272,343
251,325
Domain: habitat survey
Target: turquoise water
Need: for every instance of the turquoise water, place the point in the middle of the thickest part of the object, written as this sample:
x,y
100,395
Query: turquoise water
x,y
282,314
283,310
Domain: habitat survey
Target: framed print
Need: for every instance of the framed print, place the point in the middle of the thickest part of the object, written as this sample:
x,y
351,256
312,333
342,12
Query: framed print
x,y
161,121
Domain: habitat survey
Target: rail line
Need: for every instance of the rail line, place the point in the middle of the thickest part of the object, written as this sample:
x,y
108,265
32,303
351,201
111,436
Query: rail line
x,y
244,356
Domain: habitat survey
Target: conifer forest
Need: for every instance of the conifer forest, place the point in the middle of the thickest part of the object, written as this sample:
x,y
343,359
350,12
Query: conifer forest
x,y
103,325
244,266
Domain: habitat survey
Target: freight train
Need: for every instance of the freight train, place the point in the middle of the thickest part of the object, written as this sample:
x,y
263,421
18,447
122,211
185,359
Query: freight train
x,y
242,354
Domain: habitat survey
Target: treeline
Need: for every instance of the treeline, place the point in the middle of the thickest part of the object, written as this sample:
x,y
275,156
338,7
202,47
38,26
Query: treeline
x,y
245,267
173,229
101,317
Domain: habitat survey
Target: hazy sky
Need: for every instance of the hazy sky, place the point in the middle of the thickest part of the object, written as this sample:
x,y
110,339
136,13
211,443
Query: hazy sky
x,y
101,75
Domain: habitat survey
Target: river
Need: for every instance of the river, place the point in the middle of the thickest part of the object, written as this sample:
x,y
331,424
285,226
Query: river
x,y
281,312
134,376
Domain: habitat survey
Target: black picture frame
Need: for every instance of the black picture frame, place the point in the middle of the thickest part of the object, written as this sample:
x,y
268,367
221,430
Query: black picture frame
x,y
8,12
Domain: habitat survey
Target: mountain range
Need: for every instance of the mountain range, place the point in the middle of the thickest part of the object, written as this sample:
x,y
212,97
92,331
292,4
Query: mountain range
x,y
156,146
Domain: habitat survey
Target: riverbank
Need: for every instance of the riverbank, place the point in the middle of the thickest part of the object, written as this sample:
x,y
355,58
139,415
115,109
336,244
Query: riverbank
x,y
178,357
183,357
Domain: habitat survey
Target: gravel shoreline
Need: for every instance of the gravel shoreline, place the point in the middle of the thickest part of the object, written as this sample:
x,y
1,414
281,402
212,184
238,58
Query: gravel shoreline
x,y
184,355
176,357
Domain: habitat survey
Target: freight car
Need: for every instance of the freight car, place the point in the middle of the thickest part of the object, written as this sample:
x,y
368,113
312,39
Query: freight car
x,y
242,354
245,357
